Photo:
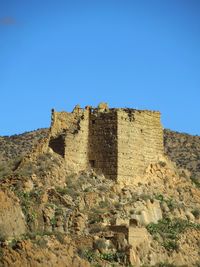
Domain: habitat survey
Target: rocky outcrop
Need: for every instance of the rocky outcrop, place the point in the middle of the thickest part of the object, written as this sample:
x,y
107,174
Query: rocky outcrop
x,y
12,221
44,251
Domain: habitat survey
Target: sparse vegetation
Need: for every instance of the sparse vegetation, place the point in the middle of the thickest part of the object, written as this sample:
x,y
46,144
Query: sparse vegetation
x,y
196,213
169,201
16,146
184,149
69,207
169,231
93,257
28,200
196,181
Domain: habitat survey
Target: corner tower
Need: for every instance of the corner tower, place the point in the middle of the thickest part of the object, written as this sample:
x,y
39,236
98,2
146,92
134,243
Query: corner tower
x,y
139,142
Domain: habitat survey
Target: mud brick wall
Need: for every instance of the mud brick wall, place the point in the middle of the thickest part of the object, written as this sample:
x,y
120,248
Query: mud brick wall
x,y
140,142
103,142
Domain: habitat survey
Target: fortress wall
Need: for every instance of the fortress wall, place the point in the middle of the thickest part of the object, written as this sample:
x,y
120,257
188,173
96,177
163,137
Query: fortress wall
x,y
103,142
60,121
76,142
120,143
69,137
140,142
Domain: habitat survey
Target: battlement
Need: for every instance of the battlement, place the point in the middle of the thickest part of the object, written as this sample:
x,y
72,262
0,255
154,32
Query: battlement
x,y
120,143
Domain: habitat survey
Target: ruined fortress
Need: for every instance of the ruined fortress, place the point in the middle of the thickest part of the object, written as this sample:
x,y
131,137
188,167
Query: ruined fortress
x,y
120,143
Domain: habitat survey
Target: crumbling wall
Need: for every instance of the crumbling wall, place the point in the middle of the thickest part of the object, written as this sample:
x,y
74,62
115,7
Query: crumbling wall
x,y
76,142
120,143
60,121
103,142
140,142
69,137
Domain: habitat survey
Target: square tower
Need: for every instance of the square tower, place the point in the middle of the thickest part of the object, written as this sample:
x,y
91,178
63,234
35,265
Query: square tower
x,y
120,143
139,142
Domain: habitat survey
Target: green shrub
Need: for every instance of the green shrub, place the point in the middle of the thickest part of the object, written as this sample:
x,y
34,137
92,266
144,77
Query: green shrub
x,y
169,201
196,213
6,168
196,181
162,163
28,200
169,230
88,255
113,257
92,257
170,245
159,197
104,204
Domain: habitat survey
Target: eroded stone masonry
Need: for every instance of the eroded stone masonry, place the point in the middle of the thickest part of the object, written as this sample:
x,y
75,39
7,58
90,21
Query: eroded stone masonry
x,y
120,143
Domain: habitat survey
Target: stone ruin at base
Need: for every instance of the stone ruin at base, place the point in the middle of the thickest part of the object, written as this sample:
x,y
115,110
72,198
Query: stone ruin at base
x,y
117,142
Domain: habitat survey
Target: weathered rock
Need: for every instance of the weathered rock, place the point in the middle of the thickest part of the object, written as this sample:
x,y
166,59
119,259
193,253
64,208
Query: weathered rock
x,y
12,222
48,252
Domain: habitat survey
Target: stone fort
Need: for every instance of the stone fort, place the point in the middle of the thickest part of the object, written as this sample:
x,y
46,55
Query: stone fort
x,y
118,142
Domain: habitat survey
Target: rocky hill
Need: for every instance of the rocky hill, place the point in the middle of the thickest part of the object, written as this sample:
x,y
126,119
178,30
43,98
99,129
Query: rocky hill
x,y
181,148
184,150
19,145
51,218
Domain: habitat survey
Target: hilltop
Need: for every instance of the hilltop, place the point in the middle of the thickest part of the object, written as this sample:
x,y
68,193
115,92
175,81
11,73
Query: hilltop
x,y
53,216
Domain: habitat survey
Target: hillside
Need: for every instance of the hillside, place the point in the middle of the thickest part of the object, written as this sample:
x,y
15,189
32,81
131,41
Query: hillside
x,y
184,149
19,145
52,218
181,148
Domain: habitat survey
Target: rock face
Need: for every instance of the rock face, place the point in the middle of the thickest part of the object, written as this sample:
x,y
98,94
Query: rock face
x,y
139,240
120,143
12,222
151,212
46,252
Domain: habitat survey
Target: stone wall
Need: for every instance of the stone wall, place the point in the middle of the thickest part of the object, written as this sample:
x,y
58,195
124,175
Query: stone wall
x,y
69,137
77,142
140,142
103,142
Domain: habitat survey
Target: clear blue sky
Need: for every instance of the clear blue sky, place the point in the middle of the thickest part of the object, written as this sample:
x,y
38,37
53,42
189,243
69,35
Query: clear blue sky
x,y
138,54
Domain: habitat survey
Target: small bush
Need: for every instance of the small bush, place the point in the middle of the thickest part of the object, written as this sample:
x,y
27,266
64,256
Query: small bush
x,y
169,230
104,204
92,257
170,245
170,202
6,169
28,200
113,257
196,181
196,213
162,163
88,255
